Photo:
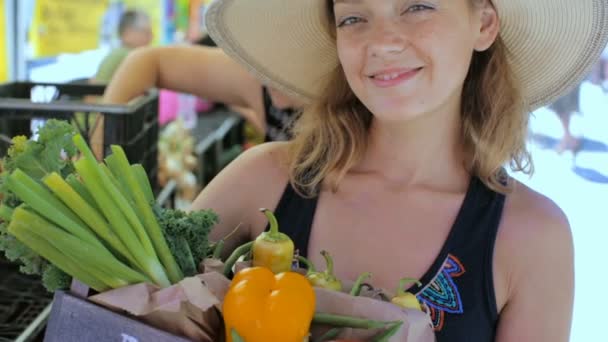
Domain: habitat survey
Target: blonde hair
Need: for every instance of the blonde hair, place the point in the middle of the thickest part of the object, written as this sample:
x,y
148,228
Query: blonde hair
x,y
331,135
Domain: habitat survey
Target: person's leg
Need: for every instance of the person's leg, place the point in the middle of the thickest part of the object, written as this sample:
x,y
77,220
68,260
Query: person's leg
x,y
564,108
568,142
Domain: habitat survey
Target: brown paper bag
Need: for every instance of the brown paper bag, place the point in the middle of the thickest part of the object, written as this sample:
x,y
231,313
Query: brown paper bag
x,y
191,308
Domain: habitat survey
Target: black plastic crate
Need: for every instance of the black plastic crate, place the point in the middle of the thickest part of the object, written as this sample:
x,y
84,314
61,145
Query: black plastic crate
x,y
219,136
230,140
134,126
23,303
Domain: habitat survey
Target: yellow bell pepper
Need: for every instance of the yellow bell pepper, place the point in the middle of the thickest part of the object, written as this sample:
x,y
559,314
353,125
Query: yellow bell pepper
x,y
261,306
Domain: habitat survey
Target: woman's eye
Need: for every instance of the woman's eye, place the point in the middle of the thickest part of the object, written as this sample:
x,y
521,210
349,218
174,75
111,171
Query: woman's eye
x,y
418,8
349,21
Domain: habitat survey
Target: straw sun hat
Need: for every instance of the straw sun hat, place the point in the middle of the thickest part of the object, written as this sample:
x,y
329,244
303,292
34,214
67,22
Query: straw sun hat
x,y
552,44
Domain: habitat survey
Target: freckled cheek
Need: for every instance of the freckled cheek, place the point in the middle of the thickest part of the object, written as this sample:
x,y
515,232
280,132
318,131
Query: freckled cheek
x,y
443,52
352,76
352,60
457,58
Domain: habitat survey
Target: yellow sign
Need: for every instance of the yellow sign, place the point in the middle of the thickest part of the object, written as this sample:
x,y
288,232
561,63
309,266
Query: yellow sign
x,y
3,44
64,26
154,9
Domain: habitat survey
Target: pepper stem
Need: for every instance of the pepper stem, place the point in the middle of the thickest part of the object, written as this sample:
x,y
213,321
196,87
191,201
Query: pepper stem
x,y
329,261
217,251
356,289
404,281
309,265
274,225
236,254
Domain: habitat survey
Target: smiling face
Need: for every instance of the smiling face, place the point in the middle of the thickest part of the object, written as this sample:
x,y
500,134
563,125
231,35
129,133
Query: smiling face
x,y
406,58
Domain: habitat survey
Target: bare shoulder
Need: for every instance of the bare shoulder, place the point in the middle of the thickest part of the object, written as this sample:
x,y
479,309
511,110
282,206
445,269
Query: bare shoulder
x,y
254,180
530,216
269,159
534,238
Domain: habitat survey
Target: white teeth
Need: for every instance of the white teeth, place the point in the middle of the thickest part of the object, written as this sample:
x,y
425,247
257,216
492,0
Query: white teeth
x,y
387,77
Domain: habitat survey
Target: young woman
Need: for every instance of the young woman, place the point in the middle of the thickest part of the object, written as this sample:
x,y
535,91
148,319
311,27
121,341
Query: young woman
x,y
396,168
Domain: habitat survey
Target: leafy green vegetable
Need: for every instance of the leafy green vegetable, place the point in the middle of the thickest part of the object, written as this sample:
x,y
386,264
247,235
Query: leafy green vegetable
x,y
55,279
52,152
187,235
14,250
37,158
61,217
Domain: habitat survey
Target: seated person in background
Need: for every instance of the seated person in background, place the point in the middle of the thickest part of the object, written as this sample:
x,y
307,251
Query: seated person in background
x,y
134,31
206,72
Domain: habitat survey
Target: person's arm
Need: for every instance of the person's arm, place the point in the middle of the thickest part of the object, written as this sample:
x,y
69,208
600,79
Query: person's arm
x,y
256,179
202,71
537,246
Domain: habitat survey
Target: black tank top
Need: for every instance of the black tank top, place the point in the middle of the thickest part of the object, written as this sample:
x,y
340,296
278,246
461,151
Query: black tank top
x,y
458,288
278,121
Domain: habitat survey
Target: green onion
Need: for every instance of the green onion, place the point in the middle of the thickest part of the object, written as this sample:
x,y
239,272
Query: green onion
x,y
87,213
150,222
146,262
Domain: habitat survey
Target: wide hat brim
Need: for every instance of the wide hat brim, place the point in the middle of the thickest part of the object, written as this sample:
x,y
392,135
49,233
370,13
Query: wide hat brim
x,y
552,44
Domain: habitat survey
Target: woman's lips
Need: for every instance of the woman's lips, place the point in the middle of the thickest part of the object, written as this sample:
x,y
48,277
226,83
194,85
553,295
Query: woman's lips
x,y
393,77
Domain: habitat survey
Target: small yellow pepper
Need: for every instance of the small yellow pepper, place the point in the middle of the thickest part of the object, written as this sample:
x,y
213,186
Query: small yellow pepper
x,y
326,279
261,306
273,249
406,299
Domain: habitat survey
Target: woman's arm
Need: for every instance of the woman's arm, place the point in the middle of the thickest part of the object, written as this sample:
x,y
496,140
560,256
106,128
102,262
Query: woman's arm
x,y
534,250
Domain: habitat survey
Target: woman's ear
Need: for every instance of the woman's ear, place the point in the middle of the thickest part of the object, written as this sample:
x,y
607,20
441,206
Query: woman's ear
x,y
490,26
